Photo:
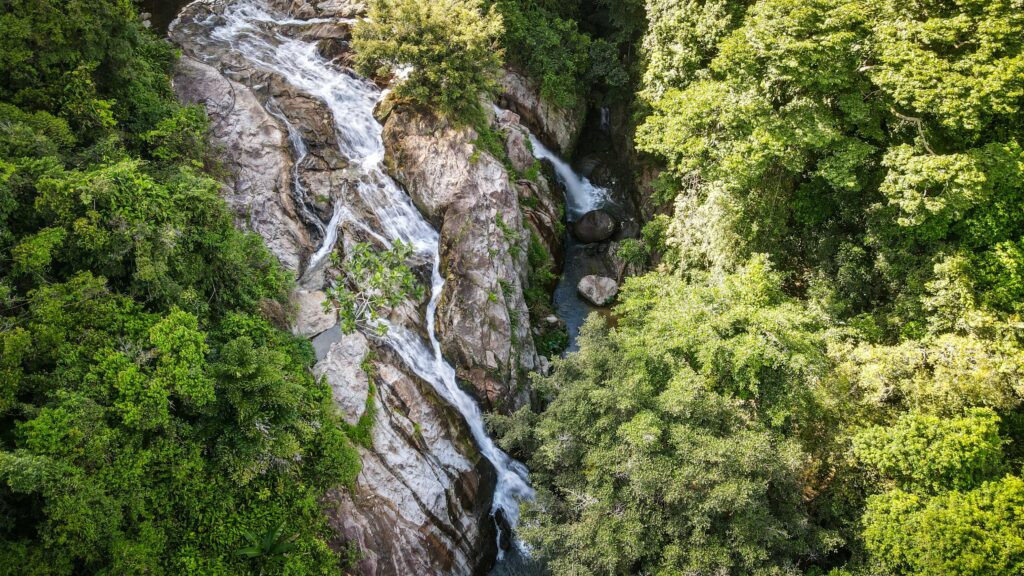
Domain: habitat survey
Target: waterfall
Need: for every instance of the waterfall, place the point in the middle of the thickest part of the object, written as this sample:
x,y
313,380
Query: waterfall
x,y
250,30
581,196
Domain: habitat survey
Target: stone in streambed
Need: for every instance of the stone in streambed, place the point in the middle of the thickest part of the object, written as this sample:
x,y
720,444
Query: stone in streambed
x,y
598,290
594,226
310,316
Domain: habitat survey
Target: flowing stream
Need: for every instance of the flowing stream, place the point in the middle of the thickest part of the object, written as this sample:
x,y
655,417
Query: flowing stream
x,y
251,31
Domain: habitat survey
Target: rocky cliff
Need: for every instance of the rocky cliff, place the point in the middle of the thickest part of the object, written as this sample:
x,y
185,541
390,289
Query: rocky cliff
x,y
557,127
483,320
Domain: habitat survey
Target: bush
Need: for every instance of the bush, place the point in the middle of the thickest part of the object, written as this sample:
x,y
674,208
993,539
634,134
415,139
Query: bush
x,y
448,48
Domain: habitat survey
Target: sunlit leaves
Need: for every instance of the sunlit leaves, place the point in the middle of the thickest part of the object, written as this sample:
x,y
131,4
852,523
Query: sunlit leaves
x,y
679,441
928,454
447,49
371,283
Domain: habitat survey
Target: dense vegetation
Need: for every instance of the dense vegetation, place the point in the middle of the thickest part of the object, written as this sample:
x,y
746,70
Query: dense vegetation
x,y
824,374
451,51
153,417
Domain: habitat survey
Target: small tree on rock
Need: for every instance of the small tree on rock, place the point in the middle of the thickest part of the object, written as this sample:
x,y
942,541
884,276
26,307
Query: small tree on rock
x,y
370,282
449,48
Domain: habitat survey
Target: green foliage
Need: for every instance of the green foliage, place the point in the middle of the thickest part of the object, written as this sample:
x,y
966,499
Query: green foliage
x,y
90,61
931,454
371,282
872,149
180,138
810,130
680,441
552,339
633,252
448,49
975,533
950,512
273,543
550,48
151,418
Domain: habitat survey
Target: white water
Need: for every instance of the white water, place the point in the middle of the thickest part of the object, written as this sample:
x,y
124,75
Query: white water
x,y
252,31
580,195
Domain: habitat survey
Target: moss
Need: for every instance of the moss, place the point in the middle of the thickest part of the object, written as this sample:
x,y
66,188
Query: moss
x,y
512,237
533,172
361,431
491,141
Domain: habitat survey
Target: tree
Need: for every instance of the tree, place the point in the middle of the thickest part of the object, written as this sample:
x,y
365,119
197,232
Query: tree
x,y
681,441
949,512
447,51
152,414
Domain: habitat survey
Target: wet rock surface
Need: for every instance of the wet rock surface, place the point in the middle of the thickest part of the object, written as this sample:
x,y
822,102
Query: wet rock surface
x,y
421,504
256,159
594,226
483,321
343,370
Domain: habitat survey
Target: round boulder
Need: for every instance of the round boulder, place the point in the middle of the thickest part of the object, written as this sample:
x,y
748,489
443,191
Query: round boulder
x,y
594,226
598,290
311,317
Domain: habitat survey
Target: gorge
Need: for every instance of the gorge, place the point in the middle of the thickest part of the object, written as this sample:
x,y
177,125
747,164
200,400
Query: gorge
x,y
511,287
313,171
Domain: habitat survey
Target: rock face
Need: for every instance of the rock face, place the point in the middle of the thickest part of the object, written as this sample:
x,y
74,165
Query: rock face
x,y
594,226
307,9
483,321
342,368
598,290
422,500
310,316
540,201
256,156
557,127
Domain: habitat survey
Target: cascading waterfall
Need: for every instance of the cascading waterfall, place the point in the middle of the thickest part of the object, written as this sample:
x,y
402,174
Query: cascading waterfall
x,y
581,196
251,30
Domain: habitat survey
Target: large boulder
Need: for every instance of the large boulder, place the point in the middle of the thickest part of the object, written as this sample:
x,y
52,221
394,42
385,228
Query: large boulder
x,y
556,126
311,318
256,159
594,226
422,500
483,321
598,290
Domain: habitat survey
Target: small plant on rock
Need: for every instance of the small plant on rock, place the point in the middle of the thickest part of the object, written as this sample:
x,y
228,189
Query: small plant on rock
x,y
371,281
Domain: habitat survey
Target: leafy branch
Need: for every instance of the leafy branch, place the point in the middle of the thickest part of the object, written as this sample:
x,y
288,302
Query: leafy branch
x,y
371,281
